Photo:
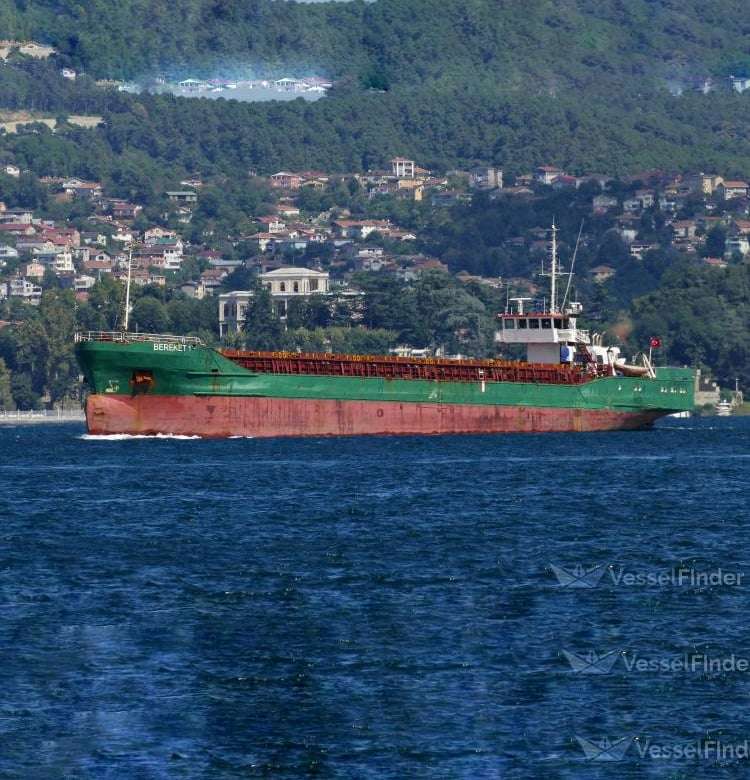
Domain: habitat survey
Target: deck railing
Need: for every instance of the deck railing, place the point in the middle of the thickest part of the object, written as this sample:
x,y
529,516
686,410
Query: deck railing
x,y
124,337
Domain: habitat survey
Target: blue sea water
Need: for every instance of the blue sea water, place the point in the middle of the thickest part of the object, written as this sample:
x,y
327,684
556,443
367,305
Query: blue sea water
x,y
375,607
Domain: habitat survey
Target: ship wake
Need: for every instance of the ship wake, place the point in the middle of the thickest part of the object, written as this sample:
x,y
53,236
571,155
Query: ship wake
x,y
126,436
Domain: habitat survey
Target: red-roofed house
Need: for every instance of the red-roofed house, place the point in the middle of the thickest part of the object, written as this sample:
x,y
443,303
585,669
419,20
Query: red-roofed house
x,y
356,228
284,180
83,189
18,229
271,224
601,273
741,227
546,174
122,210
97,267
733,189
684,229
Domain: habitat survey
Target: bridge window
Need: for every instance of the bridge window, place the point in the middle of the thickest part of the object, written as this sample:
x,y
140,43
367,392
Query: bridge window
x,y
534,323
510,324
546,323
282,287
522,324
296,287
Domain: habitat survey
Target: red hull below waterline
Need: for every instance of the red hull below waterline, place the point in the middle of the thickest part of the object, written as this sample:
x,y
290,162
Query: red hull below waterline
x,y
221,416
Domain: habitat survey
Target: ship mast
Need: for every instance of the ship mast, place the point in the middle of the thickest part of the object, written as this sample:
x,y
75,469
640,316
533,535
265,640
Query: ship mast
x,y
553,275
127,290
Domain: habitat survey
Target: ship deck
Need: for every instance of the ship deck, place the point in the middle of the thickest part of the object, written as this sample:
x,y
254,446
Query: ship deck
x,y
391,367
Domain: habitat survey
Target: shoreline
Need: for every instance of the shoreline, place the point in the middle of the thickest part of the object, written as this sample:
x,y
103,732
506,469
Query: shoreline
x,y
47,416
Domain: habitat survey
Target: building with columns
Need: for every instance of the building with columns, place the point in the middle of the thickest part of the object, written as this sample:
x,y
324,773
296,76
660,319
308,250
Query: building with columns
x,y
284,285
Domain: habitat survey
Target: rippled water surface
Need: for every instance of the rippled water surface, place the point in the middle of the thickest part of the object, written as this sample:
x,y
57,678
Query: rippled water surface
x,y
375,607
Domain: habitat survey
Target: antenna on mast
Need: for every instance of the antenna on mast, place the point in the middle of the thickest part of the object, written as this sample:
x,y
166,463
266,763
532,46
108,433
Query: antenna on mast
x,y
572,265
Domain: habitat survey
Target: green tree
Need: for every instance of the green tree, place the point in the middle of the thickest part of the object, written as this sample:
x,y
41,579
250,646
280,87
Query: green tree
x,y
150,315
106,304
7,402
57,310
716,242
22,389
263,329
31,357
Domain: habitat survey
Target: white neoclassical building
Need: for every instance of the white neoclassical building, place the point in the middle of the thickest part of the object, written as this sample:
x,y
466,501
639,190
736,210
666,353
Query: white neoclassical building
x,y
284,285
295,281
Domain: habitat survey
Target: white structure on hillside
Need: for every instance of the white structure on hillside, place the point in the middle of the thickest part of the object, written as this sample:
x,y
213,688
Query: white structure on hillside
x,y
403,168
486,177
740,83
59,261
7,253
21,288
295,281
284,285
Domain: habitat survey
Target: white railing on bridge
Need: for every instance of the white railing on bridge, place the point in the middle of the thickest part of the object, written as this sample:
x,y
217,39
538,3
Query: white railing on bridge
x,y
124,337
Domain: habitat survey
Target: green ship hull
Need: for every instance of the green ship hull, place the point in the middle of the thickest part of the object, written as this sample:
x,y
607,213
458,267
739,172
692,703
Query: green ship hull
x,y
174,386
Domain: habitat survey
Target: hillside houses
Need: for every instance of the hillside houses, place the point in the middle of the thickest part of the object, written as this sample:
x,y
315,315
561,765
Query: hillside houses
x,y
731,189
601,204
19,287
546,174
285,180
486,178
342,224
123,210
78,188
358,228
7,253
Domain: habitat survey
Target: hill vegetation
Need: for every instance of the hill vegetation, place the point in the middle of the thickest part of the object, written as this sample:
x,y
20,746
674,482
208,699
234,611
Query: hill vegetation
x,y
572,43
536,78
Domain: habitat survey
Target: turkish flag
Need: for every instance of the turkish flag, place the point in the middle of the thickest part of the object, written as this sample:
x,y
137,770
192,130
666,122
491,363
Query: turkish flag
x,y
655,342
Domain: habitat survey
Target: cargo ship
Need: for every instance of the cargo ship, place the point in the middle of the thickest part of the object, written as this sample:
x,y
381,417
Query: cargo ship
x,y
152,384
570,381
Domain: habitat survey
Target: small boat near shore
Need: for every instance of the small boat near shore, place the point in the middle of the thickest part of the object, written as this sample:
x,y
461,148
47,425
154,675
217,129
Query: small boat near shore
x,y
724,409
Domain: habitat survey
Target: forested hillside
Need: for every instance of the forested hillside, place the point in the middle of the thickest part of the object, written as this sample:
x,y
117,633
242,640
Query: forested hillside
x,y
449,83
403,41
